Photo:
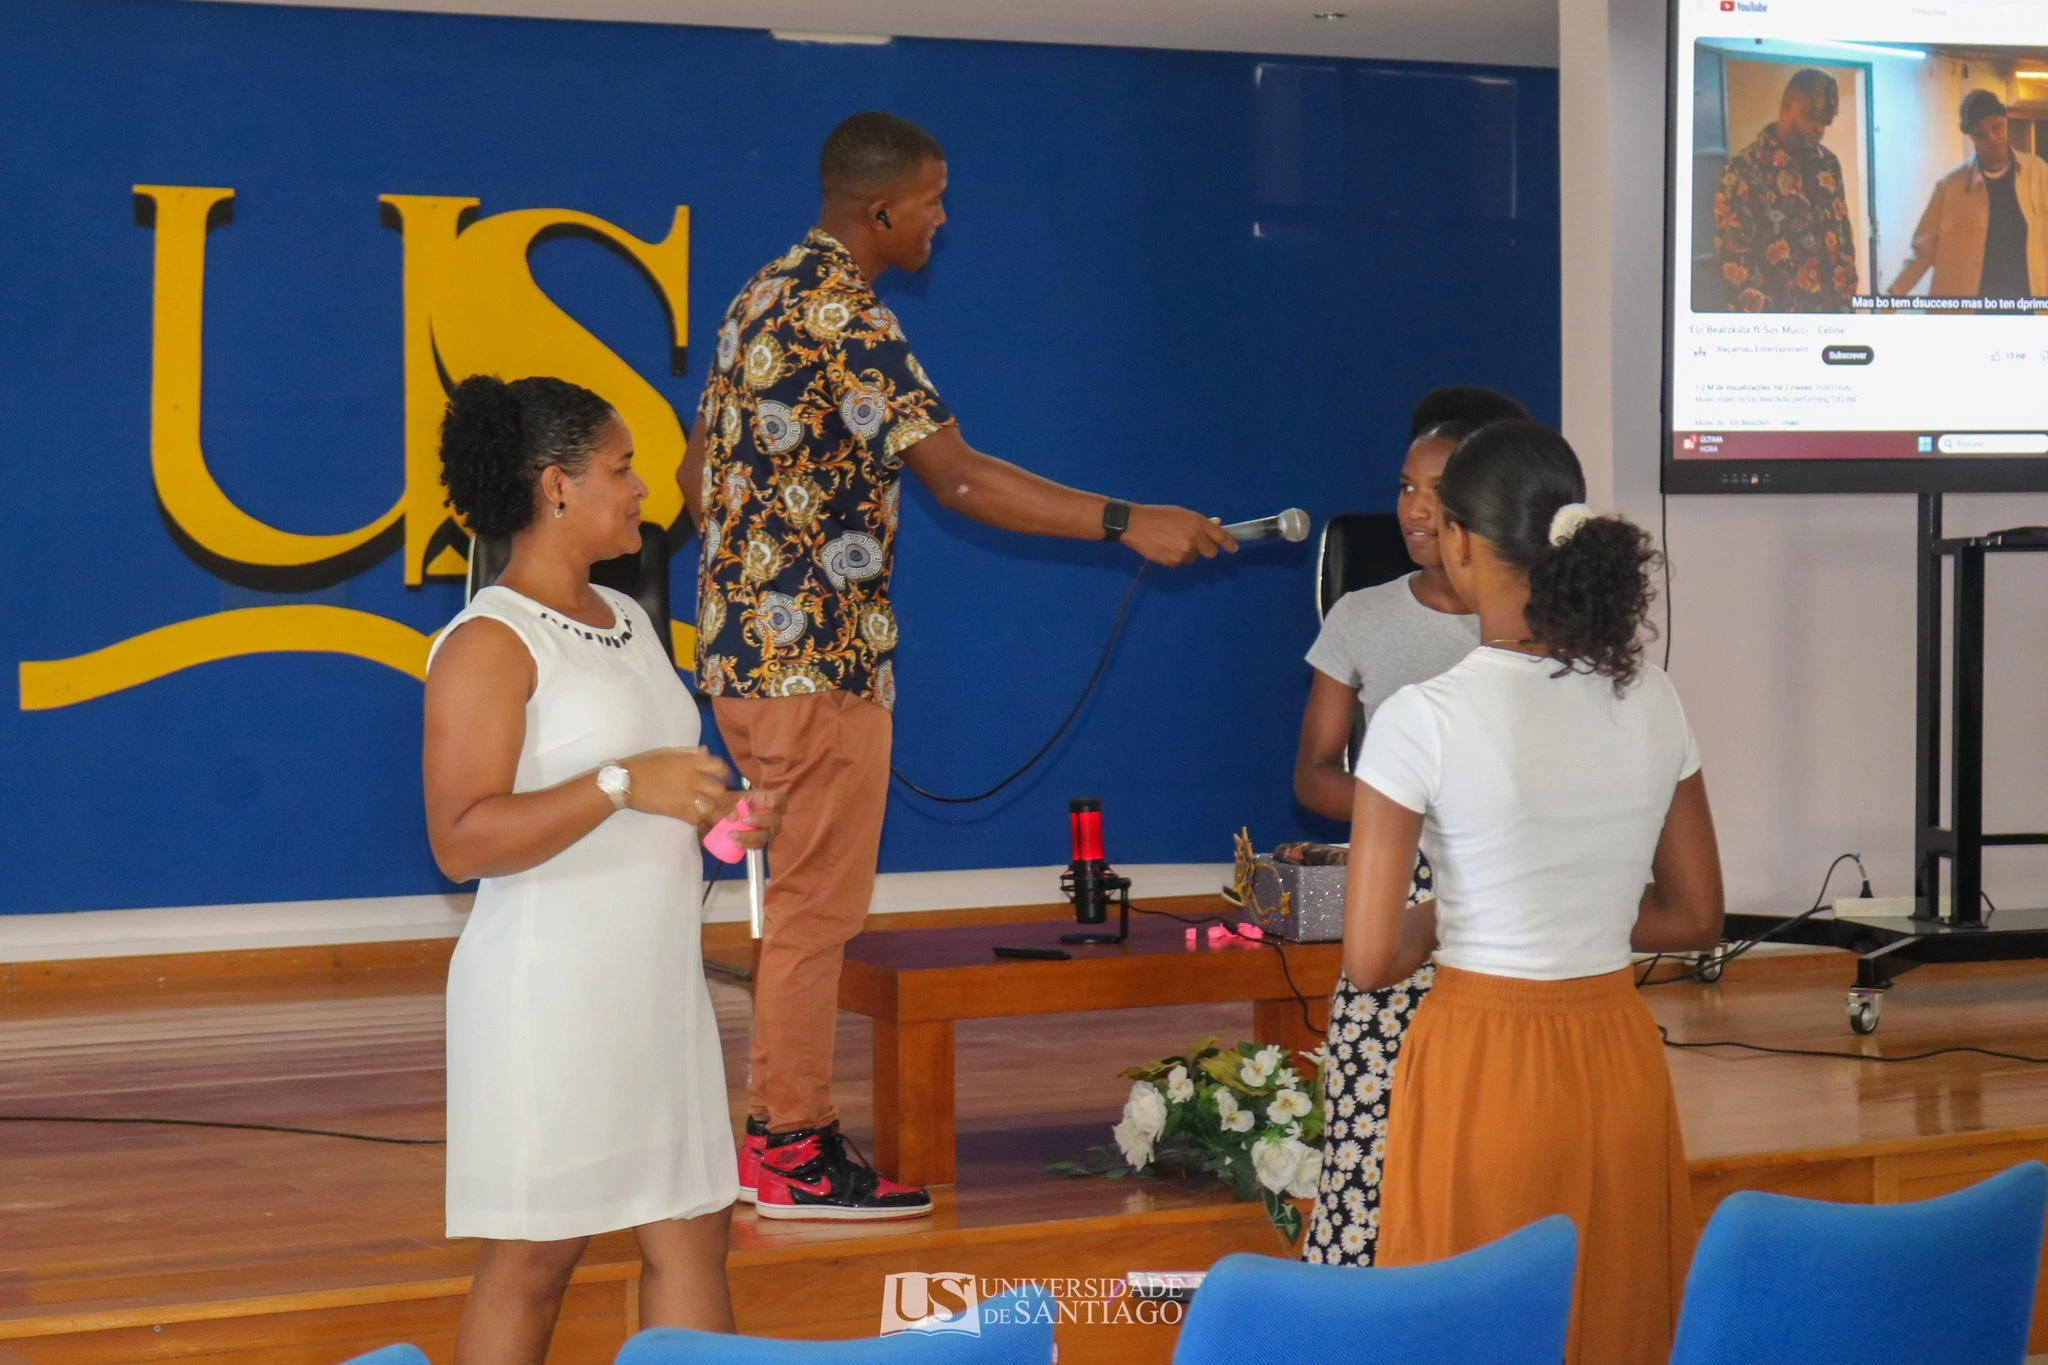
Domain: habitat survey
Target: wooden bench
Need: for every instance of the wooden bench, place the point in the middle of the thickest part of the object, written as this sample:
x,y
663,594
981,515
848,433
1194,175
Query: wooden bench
x,y
915,983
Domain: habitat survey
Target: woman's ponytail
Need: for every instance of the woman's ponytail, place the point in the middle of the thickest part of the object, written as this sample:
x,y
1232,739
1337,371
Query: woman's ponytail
x,y
1518,486
1589,597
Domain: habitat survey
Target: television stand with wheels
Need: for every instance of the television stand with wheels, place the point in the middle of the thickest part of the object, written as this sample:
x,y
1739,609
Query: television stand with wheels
x,y
1961,926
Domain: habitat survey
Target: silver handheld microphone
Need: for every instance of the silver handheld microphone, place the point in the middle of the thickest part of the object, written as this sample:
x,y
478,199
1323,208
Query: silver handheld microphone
x,y
757,884
1290,525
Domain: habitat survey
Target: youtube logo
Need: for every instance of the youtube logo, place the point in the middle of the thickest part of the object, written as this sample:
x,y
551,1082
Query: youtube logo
x,y
1727,6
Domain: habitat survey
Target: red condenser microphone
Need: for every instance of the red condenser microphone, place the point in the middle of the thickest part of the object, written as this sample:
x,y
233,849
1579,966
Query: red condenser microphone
x,y
1084,824
1089,881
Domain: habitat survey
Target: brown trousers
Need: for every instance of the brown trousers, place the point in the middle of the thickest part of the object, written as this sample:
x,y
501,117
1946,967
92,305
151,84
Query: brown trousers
x,y
829,751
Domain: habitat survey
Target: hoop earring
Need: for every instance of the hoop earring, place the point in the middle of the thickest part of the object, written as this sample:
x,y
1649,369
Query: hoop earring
x,y
559,507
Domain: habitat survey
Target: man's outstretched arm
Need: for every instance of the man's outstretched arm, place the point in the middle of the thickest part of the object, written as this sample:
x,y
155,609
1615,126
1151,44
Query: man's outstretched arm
x,y
998,493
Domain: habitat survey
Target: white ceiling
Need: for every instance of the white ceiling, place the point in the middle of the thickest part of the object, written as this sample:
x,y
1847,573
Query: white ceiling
x,y
1512,32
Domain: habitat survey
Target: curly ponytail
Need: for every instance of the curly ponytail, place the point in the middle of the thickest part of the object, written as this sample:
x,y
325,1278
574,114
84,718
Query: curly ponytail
x,y
1590,587
497,438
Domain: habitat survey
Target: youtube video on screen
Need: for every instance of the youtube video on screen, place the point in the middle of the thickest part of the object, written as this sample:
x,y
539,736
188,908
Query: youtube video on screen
x,y
1858,242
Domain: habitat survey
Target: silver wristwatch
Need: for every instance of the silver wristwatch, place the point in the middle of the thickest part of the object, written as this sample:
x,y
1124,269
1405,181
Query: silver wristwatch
x,y
616,783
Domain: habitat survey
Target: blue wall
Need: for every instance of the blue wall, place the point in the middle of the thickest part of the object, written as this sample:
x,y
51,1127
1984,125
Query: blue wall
x,y
1205,278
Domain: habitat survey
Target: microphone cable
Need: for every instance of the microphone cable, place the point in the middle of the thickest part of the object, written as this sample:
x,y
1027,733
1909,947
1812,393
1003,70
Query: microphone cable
x,y
1095,675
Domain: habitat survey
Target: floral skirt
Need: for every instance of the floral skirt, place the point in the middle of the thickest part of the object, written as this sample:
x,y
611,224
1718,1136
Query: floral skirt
x,y
1366,1031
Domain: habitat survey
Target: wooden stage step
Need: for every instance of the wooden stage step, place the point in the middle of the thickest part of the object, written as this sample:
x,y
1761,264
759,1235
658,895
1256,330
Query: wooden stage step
x,y
136,1244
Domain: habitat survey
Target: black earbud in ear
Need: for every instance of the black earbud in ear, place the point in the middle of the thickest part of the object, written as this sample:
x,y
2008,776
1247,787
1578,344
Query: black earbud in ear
x,y
882,217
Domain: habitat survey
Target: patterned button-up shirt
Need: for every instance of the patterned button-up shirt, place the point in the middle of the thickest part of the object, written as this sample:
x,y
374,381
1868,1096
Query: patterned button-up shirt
x,y
1782,234
813,398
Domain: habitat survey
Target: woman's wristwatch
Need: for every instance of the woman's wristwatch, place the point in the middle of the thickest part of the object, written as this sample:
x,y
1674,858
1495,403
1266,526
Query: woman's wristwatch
x,y
616,783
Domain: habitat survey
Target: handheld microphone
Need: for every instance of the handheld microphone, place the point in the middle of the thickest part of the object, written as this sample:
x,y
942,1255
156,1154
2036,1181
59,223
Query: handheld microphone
x,y
1291,525
1089,881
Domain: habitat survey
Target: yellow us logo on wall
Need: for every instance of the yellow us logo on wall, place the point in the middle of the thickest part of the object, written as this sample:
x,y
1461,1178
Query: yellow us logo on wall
x,y
471,307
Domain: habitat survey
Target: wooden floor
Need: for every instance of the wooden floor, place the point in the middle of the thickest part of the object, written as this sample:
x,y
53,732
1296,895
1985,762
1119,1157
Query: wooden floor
x,y
147,1243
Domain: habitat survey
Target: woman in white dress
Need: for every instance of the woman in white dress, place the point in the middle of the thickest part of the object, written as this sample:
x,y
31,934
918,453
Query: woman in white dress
x,y
586,1089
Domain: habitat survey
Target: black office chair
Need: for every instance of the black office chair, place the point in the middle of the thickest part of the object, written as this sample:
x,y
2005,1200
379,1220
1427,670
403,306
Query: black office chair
x,y
1359,550
642,577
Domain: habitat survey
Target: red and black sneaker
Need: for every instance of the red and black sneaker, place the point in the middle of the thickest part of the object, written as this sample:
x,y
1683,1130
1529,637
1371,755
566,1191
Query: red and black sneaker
x,y
750,1157
815,1173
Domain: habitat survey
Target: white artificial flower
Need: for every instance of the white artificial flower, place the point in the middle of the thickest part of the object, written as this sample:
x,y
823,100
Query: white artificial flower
x,y
1287,1105
1235,1119
1179,1088
1136,1147
1274,1162
1308,1169
1257,1069
1145,1111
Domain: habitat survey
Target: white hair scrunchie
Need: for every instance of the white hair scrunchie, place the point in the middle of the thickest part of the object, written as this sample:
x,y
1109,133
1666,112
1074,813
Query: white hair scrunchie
x,y
1566,521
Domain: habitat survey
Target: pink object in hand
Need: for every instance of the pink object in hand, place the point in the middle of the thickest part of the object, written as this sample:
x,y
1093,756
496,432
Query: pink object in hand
x,y
720,840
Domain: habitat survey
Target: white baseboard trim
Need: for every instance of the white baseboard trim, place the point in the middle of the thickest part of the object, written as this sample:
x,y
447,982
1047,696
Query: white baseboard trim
x,y
381,919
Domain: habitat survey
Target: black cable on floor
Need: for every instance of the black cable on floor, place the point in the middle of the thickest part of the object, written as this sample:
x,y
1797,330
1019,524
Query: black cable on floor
x,y
221,1123
1854,1056
1723,956
1308,1019
1101,662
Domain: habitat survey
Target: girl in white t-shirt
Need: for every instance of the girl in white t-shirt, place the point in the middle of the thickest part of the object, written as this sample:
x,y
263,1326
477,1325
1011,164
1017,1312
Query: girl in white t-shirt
x,y
1373,643
1554,785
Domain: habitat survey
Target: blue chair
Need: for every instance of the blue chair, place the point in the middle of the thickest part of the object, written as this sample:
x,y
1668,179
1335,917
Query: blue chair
x,y
1948,1279
1506,1303
391,1355
1015,1329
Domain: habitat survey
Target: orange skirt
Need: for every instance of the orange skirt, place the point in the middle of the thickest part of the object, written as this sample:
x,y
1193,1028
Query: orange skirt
x,y
1519,1099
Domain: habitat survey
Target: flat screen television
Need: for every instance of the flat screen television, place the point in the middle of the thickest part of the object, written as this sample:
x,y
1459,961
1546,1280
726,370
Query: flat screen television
x,y
1856,246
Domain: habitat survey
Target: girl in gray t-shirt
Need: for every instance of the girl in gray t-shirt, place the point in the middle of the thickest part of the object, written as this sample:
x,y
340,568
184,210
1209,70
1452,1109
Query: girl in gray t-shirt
x,y
1373,643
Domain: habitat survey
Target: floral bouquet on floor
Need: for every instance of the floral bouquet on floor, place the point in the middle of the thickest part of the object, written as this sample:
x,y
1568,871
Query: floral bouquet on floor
x,y
1251,1114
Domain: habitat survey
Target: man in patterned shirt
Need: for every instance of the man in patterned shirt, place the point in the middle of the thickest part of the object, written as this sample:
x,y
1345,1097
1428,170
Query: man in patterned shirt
x,y
1782,234
813,407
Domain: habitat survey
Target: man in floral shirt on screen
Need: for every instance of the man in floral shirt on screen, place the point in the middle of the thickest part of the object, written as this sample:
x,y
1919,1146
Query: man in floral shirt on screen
x,y
1782,234
813,407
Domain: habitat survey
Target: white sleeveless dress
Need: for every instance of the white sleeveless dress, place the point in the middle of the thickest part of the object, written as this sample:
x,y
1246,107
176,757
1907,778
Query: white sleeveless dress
x,y
586,1090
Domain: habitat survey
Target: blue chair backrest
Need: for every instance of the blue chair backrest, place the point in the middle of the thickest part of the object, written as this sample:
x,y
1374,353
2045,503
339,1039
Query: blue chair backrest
x,y
1014,1329
1949,1279
1505,1303
391,1355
